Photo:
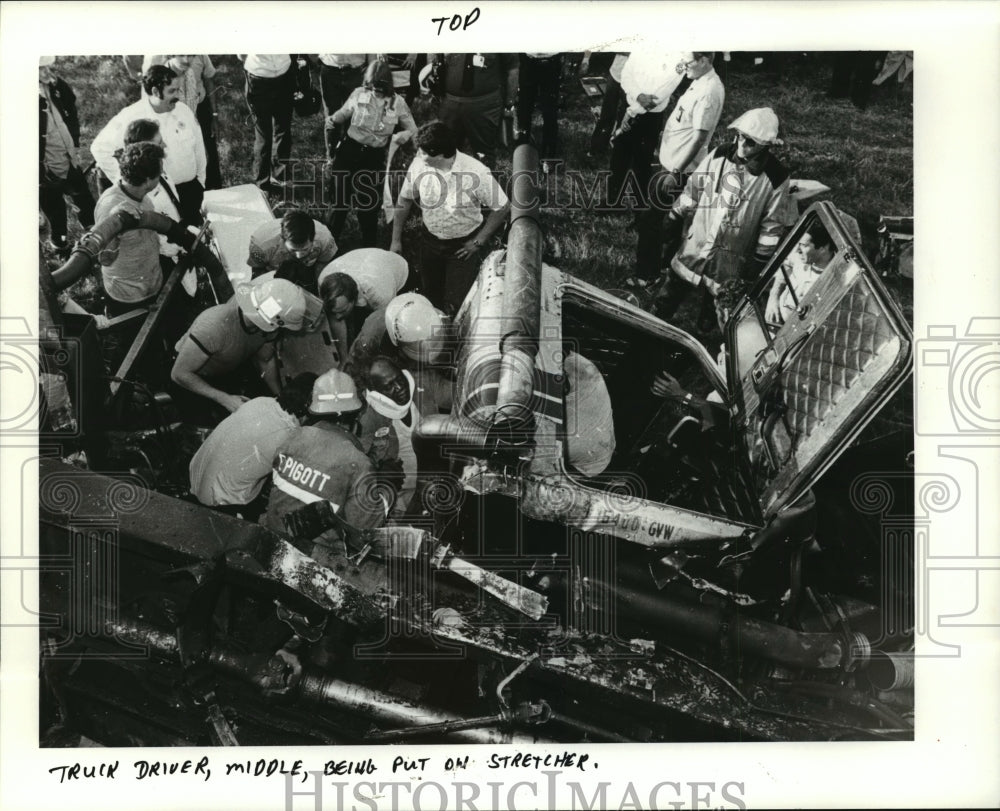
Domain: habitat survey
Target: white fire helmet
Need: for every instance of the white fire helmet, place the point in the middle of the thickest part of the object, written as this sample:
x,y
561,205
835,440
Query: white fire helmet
x,y
334,392
760,124
272,304
410,321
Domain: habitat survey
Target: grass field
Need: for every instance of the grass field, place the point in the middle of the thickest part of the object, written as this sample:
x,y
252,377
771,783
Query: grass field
x,y
865,157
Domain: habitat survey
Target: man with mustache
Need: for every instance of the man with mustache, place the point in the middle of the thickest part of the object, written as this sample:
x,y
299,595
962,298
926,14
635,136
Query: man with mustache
x,y
185,162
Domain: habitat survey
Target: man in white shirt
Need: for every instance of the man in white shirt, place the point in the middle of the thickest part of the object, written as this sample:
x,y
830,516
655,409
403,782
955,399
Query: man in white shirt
x,y
649,79
185,162
799,273
452,189
270,91
196,75
684,144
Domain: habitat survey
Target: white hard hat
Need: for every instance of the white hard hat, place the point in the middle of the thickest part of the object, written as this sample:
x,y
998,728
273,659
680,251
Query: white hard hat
x,y
760,124
46,61
272,304
334,392
410,318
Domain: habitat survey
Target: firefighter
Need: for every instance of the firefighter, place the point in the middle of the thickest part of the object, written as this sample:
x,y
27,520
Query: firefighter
x,y
740,207
213,351
409,330
324,461
370,116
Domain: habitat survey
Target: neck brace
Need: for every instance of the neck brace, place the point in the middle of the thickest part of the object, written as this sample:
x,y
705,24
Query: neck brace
x,y
388,407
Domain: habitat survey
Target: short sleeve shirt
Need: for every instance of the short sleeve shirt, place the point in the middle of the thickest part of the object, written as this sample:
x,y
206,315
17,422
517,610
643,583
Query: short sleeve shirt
x,y
135,273
379,274
343,60
234,461
700,108
373,120
267,248
452,202
267,66
219,334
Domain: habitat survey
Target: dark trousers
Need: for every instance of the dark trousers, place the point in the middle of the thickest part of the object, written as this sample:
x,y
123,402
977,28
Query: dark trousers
x,y
270,102
632,153
652,224
335,86
356,180
675,292
206,120
612,109
444,278
413,91
190,195
853,72
538,82
51,200
475,122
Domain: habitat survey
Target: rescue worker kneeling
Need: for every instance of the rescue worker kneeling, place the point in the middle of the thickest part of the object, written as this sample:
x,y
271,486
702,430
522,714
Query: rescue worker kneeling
x,y
323,461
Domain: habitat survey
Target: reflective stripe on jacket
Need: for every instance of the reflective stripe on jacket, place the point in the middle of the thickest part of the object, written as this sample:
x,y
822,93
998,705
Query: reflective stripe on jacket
x,y
740,209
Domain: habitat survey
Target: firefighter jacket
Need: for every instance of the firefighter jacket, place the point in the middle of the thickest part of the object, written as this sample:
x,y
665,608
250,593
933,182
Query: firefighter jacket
x,y
739,210
323,461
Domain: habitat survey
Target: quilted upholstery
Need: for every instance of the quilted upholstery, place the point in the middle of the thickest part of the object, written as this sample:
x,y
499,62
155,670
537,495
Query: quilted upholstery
x,y
841,348
824,387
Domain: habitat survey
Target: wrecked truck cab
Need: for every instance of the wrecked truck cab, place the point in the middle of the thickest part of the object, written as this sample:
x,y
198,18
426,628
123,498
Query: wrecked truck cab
x,y
710,469
627,605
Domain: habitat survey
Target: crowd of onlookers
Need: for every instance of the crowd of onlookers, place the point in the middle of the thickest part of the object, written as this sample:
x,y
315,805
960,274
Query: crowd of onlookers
x,y
704,219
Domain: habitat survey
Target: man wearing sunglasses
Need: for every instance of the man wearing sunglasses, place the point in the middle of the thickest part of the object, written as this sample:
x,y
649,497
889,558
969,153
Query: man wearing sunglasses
x,y
740,206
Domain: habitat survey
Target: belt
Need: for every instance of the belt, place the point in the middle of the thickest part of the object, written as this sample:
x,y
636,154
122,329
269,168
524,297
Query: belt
x,y
487,94
448,239
343,67
266,78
